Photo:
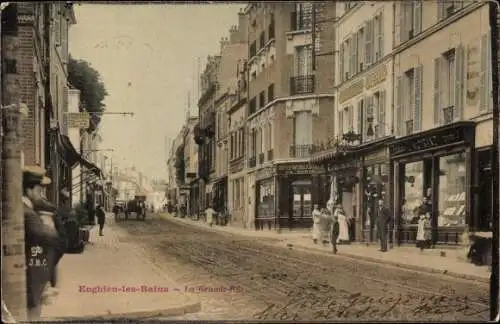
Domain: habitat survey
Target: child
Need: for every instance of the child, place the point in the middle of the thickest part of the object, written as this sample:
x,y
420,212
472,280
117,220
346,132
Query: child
x,y
334,233
423,232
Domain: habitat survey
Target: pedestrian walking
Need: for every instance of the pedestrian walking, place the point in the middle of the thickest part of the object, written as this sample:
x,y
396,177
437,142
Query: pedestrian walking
x,y
343,225
383,220
41,240
209,213
334,233
316,230
101,218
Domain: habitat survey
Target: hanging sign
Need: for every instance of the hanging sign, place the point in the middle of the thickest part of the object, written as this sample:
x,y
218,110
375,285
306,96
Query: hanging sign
x,y
78,120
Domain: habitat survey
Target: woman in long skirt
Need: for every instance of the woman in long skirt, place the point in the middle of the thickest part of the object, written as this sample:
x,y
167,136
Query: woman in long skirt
x,y
343,226
316,230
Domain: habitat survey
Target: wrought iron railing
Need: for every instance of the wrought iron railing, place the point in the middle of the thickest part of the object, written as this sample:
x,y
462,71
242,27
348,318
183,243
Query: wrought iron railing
x,y
252,161
270,155
301,151
301,84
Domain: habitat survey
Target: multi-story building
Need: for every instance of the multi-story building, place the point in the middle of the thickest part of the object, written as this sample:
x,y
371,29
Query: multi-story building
x,y
176,164
190,166
233,51
357,153
205,131
237,187
443,105
290,108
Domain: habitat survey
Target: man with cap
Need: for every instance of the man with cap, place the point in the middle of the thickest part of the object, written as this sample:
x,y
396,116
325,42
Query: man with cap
x,y
41,238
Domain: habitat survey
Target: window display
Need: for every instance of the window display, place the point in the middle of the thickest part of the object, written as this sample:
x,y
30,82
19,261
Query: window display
x,y
413,192
452,187
266,200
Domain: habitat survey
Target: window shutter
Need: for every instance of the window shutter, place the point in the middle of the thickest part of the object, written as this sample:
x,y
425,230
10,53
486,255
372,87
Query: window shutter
x,y
459,81
489,77
403,33
341,62
417,109
381,113
399,108
441,10
368,42
417,17
381,36
437,92
359,129
397,23
484,75
355,54
340,124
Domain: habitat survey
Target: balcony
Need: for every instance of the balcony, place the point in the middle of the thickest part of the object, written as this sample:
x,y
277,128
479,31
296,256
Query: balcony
x,y
252,162
261,158
301,151
270,155
301,84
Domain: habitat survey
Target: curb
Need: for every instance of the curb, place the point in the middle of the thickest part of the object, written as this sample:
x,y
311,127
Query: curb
x,y
360,257
190,307
396,264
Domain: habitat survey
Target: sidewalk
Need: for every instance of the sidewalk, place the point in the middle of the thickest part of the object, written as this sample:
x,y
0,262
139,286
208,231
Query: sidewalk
x,y
446,261
111,262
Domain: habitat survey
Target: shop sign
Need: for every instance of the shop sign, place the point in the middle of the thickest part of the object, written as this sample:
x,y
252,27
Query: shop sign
x,y
299,169
352,91
434,141
377,156
376,77
237,166
264,173
371,80
78,120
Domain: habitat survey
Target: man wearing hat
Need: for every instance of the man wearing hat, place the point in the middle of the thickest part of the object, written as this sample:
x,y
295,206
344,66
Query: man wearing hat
x,y
41,238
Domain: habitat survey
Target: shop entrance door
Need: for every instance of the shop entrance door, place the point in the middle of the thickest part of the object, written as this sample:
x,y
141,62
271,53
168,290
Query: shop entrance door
x,y
484,198
301,203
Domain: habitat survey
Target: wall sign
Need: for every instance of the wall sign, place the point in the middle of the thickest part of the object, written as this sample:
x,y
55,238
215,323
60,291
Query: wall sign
x,y
375,77
299,169
434,140
264,173
473,73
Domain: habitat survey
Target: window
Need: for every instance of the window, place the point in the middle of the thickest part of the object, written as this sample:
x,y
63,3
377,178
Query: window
x,y
448,8
254,142
378,25
233,146
253,105
417,181
303,133
303,16
448,86
270,33
452,187
409,81
303,60
410,20
347,119
486,87
241,142
262,99
262,40
342,62
270,92
254,76
253,49
269,137
348,5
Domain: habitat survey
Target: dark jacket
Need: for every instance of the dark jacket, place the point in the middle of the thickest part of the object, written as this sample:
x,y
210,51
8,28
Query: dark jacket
x,y
384,217
101,216
41,241
335,229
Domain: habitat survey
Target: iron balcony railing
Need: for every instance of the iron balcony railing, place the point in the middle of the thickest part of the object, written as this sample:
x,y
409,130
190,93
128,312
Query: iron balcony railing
x,y
301,84
252,161
301,151
261,158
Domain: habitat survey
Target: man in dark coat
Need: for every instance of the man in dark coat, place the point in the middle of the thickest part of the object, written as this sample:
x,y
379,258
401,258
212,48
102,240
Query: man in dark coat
x,y
101,218
41,240
383,220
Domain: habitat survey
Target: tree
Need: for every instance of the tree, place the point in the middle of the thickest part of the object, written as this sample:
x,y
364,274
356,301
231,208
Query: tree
x,y
92,90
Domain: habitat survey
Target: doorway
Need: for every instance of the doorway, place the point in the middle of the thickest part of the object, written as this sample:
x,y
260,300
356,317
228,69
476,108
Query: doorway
x,y
301,202
484,190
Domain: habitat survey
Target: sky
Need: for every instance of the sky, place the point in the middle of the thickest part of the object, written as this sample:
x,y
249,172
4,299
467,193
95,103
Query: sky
x,y
147,56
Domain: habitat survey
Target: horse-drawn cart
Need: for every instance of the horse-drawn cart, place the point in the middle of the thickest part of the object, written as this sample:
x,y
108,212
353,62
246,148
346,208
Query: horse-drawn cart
x,y
135,207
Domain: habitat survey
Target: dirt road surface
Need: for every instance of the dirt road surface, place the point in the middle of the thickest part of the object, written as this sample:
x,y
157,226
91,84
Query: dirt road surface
x,y
268,282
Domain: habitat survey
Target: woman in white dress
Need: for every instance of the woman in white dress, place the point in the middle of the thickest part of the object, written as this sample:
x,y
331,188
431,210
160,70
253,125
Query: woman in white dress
x,y
316,230
343,226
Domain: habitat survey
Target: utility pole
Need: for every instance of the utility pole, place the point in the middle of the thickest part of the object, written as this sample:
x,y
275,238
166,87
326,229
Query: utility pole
x,y
494,21
13,257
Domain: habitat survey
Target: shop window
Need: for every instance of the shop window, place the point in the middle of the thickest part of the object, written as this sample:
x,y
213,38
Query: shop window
x,y
416,190
452,187
376,185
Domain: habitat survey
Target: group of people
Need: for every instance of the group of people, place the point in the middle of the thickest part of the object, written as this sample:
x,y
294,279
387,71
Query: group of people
x,y
219,218
336,222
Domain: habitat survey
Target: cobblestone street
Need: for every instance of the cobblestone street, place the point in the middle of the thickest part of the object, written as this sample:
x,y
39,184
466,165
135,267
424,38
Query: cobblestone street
x,y
279,283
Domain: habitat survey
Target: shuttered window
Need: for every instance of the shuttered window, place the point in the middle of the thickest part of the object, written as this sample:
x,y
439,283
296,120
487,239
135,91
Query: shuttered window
x,y
341,62
360,57
437,91
486,97
417,102
303,128
360,111
381,114
340,123
409,101
354,58
399,105
379,47
369,30
458,82
409,17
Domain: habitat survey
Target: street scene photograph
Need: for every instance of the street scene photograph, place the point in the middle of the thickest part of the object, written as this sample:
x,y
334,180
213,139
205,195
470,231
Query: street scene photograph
x,y
249,161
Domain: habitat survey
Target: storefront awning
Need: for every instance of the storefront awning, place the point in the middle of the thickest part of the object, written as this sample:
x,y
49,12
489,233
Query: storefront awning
x,y
71,157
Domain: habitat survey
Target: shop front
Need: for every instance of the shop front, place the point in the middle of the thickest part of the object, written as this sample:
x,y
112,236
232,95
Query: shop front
x,y
433,173
374,184
298,187
220,194
194,199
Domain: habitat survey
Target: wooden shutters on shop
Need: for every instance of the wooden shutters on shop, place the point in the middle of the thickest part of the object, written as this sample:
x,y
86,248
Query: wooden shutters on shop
x,y
485,80
417,109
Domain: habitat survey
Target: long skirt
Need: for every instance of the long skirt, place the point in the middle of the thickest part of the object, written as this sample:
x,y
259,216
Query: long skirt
x,y
317,232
